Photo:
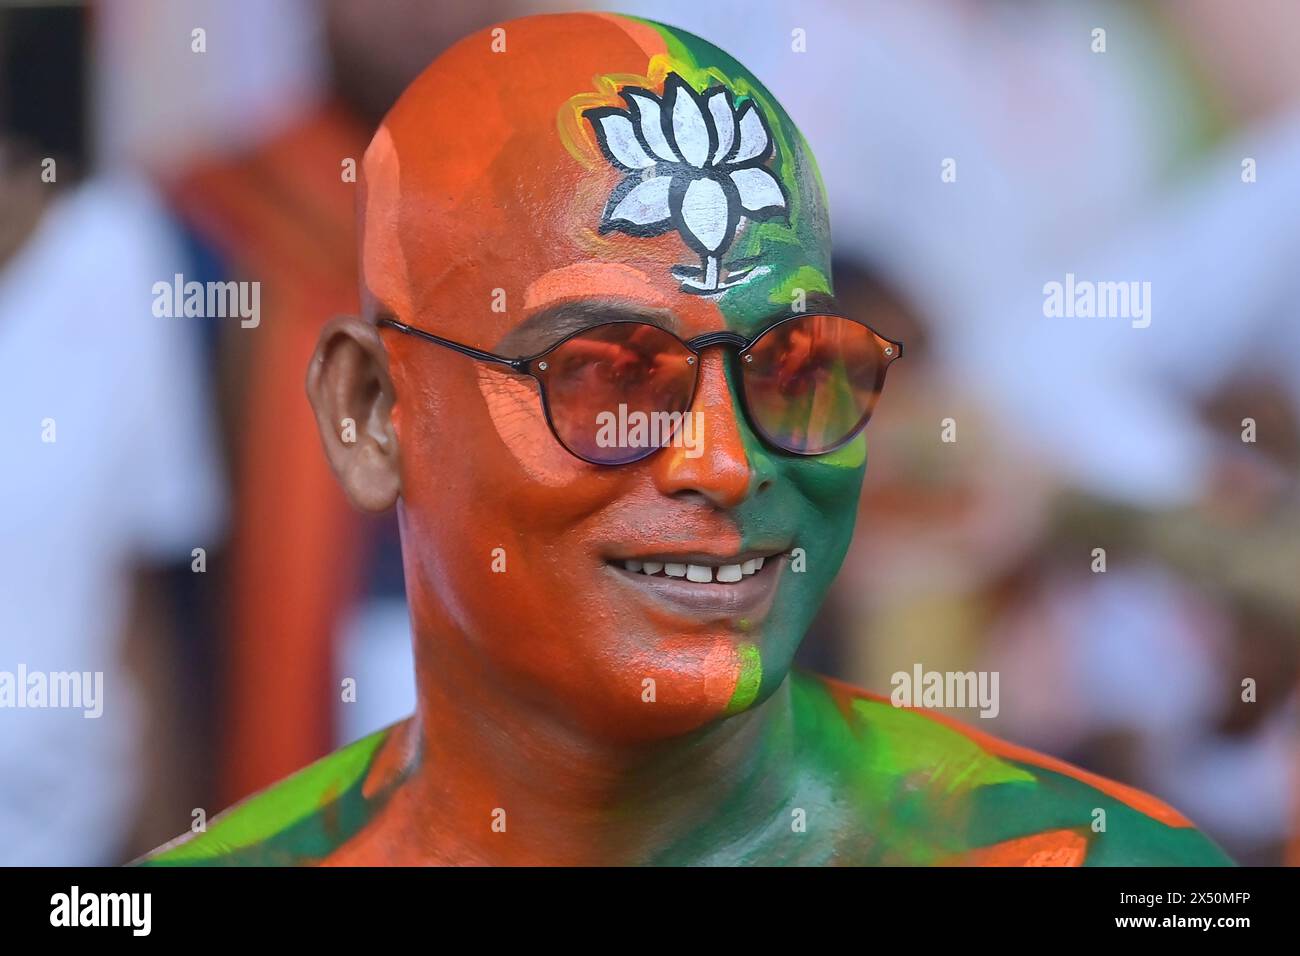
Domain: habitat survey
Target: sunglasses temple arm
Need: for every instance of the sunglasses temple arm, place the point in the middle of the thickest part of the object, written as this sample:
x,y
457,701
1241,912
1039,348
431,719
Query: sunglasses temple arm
x,y
518,365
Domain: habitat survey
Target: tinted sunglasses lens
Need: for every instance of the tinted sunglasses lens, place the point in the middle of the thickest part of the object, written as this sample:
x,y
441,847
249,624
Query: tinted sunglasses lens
x,y
617,392
811,382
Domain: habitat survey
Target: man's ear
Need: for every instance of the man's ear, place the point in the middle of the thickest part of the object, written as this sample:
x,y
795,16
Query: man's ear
x,y
350,389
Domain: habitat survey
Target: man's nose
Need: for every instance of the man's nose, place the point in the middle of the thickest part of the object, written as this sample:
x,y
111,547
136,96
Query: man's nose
x,y
713,463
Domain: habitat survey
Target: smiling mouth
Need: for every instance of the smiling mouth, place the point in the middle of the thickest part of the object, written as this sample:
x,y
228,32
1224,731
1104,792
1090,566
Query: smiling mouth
x,y
704,586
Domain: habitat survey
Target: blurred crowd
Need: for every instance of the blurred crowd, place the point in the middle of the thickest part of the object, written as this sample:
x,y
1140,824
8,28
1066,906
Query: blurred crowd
x,y
182,533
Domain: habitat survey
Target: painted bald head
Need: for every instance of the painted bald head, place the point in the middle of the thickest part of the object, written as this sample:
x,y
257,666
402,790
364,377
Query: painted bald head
x,y
539,178
538,156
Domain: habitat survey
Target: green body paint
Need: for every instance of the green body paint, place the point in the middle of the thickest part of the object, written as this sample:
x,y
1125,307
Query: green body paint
x,y
298,820
751,676
872,785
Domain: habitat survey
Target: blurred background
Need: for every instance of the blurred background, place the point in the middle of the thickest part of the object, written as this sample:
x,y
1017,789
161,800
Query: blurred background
x,y
1171,157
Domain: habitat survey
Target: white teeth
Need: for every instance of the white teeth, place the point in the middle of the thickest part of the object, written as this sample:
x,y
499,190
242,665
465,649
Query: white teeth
x,y
699,573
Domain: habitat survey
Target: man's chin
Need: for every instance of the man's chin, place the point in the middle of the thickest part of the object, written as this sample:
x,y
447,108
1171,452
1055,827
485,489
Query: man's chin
x,y
677,683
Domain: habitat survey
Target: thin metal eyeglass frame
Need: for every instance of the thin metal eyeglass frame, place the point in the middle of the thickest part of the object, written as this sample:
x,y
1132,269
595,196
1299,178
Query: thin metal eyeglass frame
x,y
531,365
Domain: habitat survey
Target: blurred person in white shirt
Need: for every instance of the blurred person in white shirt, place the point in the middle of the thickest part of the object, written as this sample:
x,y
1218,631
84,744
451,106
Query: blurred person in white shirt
x,y
110,467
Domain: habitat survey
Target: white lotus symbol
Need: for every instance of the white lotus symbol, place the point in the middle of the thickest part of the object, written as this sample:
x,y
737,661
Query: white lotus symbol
x,y
695,163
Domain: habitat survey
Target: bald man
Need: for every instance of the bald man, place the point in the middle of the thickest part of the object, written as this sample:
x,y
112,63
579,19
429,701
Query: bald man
x,y
603,376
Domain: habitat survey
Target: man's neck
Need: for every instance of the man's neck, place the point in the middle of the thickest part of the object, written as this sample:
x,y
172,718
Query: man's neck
x,y
489,779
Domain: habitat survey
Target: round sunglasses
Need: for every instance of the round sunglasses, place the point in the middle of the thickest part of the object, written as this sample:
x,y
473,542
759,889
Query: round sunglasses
x,y
617,392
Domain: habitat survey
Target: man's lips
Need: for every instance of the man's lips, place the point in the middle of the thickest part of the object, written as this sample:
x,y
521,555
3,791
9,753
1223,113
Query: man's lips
x,y
703,585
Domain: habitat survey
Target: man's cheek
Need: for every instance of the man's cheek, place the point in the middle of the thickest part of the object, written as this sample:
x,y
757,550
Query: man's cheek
x,y
831,483
818,497
515,412
541,491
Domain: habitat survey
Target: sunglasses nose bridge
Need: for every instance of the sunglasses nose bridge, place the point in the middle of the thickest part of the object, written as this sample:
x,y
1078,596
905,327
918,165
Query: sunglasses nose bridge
x,y
709,339
738,410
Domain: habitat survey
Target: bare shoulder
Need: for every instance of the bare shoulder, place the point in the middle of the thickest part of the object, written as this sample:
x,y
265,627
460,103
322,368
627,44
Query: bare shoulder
x,y
950,794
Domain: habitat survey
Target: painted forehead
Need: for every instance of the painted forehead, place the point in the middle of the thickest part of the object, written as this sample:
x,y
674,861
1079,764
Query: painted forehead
x,y
567,155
